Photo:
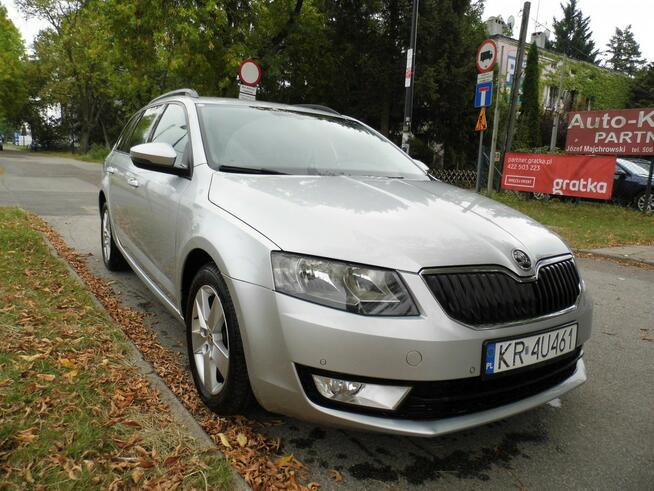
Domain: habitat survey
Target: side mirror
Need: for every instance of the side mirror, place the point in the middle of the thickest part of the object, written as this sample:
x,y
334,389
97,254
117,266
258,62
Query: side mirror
x,y
620,173
155,156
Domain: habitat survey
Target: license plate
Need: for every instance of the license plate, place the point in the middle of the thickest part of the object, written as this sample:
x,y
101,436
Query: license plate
x,y
511,354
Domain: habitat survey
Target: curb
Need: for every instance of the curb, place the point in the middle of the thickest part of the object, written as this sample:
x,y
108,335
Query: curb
x,y
624,260
177,409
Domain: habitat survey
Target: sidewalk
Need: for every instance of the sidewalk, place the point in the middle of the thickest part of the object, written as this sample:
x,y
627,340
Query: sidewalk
x,y
644,254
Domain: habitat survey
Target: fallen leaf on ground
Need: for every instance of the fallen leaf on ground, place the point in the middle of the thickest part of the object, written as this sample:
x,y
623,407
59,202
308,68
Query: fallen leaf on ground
x,y
72,374
30,358
48,377
28,435
137,474
224,440
242,439
66,363
335,475
284,460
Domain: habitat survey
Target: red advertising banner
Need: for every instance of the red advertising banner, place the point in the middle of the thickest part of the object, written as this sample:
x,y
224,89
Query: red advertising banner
x,y
611,132
582,176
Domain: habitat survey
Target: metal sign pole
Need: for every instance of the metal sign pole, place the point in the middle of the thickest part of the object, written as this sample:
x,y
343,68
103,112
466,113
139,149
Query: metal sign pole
x,y
496,125
480,155
648,188
409,78
517,75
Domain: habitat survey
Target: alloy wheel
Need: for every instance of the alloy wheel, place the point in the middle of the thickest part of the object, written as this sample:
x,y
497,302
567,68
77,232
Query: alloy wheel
x,y
209,340
650,205
106,235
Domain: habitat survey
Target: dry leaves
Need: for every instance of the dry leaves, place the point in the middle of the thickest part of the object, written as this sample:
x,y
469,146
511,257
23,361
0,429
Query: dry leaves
x,y
249,451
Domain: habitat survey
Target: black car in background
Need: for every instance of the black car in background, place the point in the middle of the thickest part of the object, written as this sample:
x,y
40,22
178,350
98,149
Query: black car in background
x,y
630,183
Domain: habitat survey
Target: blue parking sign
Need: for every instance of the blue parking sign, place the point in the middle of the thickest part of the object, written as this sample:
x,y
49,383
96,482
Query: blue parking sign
x,y
484,94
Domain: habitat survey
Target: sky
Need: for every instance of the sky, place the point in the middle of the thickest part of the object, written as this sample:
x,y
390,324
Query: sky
x,y
605,16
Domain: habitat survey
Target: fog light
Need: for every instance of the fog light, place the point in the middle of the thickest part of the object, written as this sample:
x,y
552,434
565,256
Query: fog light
x,y
359,393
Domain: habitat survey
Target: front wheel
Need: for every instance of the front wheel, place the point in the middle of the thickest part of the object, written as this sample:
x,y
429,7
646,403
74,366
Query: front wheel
x,y
112,257
639,201
215,349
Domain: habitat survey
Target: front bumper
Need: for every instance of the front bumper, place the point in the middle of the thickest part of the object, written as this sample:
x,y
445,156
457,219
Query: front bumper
x,y
283,332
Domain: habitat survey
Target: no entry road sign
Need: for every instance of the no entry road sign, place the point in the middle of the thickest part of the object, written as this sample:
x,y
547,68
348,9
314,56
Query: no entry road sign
x,y
484,94
249,73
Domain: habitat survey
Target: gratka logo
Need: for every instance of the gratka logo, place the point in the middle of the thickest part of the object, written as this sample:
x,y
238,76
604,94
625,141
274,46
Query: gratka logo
x,y
583,185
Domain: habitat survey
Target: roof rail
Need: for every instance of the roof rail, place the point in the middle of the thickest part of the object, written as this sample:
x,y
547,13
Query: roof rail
x,y
187,92
318,107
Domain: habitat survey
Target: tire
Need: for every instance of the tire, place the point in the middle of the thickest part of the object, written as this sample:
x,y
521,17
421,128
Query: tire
x,y
639,201
111,256
215,351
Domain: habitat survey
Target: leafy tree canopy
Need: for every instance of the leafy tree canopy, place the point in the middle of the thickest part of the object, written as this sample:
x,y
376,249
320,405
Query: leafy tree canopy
x,y
13,92
642,90
624,51
573,34
528,133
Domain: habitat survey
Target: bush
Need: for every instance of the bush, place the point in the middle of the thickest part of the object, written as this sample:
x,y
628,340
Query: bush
x,y
97,152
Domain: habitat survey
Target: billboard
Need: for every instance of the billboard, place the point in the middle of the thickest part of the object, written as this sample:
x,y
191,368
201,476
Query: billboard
x,y
582,176
611,132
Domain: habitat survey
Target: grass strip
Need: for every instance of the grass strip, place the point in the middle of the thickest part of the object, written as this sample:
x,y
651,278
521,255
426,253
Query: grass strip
x,y
586,225
74,412
250,452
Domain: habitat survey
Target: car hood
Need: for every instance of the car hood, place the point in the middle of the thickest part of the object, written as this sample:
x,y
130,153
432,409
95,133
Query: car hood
x,y
393,223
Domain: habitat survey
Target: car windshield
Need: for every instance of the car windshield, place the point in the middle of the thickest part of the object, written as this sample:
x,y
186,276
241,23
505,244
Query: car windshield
x,y
273,140
633,168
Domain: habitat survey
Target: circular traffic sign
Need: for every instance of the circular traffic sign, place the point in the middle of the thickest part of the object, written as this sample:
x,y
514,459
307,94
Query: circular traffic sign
x,y
249,73
486,56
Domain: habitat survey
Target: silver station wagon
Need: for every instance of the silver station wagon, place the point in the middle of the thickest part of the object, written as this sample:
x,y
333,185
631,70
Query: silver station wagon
x,y
325,274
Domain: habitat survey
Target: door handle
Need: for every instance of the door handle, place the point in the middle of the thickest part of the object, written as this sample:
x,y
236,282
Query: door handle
x,y
133,181
111,169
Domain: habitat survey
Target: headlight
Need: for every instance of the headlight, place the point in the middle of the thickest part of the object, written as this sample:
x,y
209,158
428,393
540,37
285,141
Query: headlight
x,y
343,286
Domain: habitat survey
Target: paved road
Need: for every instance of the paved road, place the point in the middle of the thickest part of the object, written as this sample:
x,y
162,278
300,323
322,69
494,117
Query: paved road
x,y
600,436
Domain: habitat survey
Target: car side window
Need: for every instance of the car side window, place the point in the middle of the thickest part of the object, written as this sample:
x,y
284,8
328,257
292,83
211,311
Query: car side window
x,y
173,129
123,139
144,126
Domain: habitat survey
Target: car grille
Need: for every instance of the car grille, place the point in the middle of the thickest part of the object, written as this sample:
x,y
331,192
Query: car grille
x,y
450,398
495,297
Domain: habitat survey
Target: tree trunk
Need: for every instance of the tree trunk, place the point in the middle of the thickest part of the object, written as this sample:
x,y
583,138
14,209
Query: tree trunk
x,y
104,134
84,134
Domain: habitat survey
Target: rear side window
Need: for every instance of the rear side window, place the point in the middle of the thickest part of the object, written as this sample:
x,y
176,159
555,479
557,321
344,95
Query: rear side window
x,y
173,129
143,127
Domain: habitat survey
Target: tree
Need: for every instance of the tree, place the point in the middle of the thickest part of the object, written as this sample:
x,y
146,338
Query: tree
x,y
450,32
13,93
528,134
573,34
625,52
642,90
77,51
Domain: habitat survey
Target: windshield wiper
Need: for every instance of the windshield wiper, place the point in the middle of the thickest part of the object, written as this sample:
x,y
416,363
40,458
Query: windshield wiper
x,y
247,170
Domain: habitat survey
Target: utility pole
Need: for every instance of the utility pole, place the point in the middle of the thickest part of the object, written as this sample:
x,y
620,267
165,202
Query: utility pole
x,y
557,109
517,75
409,76
496,125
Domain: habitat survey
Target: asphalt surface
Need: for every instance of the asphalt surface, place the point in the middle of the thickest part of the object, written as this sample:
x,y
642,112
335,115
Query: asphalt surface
x,y
600,436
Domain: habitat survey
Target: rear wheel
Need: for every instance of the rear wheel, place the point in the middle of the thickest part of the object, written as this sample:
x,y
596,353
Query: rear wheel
x,y
639,201
214,343
112,257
